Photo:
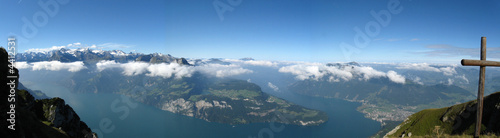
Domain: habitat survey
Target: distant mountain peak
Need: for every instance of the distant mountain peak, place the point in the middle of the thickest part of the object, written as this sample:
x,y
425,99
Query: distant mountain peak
x,y
343,65
90,55
247,59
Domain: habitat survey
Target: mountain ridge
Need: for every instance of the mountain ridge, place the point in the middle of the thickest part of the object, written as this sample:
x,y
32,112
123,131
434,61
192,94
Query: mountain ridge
x,y
454,120
92,56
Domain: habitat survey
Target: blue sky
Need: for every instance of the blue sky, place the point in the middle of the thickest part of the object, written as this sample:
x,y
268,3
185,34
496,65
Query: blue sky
x,y
292,30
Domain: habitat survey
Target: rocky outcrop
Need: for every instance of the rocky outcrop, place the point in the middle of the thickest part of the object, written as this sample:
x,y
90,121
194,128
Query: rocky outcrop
x,y
57,114
63,117
305,123
179,106
144,58
187,107
222,104
38,118
202,104
182,61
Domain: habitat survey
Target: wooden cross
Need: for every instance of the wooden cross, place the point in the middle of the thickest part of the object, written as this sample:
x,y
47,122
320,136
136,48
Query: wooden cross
x,y
482,69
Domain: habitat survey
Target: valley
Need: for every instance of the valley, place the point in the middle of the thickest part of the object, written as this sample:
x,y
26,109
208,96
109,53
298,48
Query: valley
x,y
249,68
188,87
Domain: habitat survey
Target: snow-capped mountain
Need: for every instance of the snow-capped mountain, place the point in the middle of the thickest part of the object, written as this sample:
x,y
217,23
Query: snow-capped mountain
x,y
92,56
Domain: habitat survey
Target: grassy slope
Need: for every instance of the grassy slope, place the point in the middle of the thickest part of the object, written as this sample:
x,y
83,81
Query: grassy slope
x,y
455,120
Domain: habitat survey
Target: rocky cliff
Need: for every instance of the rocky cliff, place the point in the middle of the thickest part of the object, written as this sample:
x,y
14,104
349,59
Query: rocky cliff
x,y
35,118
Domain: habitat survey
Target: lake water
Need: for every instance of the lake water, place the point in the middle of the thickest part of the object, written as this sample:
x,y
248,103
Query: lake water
x,y
147,121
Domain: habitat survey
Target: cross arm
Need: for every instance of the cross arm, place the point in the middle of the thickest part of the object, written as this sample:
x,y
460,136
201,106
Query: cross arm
x,y
470,62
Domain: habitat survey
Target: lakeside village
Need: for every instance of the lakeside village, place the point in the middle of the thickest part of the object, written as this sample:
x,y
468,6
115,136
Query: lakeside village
x,y
385,112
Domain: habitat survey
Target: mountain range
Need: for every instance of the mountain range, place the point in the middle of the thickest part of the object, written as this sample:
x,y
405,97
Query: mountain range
x,y
91,56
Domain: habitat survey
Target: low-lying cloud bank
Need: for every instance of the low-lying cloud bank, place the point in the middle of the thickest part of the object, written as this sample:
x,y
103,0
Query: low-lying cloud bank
x,y
52,66
272,86
448,70
173,69
232,67
335,74
253,62
165,70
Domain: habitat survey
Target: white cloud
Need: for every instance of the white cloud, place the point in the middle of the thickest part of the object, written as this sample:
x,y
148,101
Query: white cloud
x,y
77,44
57,66
134,68
173,69
167,70
449,70
334,74
68,46
92,46
464,78
303,72
418,80
272,86
450,81
315,72
253,62
22,65
221,71
104,64
260,63
369,72
42,50
395,77
418,66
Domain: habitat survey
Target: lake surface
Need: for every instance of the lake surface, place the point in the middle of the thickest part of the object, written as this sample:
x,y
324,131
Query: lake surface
x,y
110,120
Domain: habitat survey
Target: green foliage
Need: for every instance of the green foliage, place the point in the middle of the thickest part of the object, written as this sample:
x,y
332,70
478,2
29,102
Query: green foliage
x,y
235,94
389,125
279,101
195,98
48,123
423,122
455,120
236,85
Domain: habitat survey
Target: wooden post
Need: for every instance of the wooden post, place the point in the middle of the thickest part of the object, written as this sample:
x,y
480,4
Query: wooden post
x,y
480,91
469,62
